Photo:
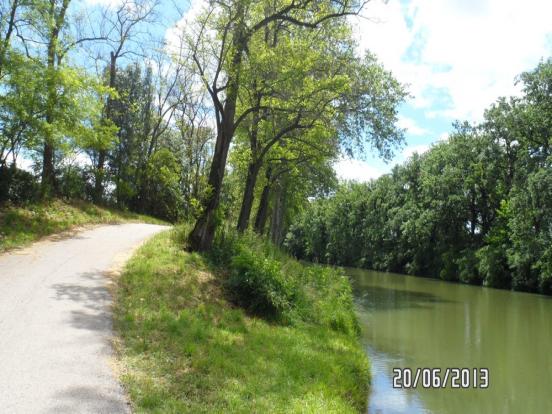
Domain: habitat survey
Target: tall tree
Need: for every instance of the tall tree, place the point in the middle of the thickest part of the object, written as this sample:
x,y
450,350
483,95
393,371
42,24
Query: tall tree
x,y
124,27
238,21
9,18
54,14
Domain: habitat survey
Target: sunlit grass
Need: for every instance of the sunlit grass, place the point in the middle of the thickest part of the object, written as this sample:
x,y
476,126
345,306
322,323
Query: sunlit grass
x,y
186,349
20,225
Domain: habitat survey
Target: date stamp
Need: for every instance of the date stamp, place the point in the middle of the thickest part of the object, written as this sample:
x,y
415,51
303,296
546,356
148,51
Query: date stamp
x,y
441,378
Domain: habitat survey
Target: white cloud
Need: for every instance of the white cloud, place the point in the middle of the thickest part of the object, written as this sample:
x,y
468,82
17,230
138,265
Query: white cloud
x,y
383,30
458,55
420,149
443,137
411,126
357,170
175,34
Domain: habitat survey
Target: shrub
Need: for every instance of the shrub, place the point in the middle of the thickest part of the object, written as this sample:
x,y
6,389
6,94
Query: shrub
x,y
17,186
160,192
467,267
267,282
330,301
225,246
493,267
258,285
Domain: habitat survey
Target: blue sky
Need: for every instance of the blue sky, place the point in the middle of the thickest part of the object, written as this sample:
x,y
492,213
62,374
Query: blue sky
x,y
457,56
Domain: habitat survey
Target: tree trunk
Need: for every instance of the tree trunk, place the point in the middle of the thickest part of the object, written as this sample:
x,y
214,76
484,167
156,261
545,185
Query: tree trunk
x,y
248,196
201,237
9,31
48,184
48,177
262,212
276,223
99,176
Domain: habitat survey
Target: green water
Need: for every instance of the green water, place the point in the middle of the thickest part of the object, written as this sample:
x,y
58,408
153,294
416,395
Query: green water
x,y
411,322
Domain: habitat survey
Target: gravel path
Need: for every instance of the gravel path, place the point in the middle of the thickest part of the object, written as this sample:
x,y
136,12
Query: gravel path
x,y
55,322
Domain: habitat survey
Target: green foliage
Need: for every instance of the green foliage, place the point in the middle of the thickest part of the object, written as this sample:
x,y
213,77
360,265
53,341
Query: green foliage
x,y
73,183
160,192
187,349
475,209
468,267
17,186
336,310
265,281
258,285
493,267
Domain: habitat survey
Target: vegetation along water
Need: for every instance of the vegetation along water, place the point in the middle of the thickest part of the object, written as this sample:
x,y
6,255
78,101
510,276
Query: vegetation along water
x,y
476,208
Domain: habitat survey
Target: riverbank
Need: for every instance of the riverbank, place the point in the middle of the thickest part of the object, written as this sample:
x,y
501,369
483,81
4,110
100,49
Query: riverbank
x,y
21,225
187,343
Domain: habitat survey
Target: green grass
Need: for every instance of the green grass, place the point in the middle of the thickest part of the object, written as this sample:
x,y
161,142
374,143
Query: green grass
x,y
22,225
185,348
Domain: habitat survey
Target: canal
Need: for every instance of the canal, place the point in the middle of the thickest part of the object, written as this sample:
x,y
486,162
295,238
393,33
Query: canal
x,y
413,322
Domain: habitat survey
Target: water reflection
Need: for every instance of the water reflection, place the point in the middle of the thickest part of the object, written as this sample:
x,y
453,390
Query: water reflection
x,y
382,400
378,298
415,322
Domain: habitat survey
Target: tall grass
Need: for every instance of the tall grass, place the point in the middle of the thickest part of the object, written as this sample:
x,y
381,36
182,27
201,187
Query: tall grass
x,y
198,336
267,282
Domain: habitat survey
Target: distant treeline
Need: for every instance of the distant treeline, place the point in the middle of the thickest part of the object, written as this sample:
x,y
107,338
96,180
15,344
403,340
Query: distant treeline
x,y
476,208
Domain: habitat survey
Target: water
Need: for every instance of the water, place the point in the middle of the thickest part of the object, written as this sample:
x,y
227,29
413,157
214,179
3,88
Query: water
x,y
411,322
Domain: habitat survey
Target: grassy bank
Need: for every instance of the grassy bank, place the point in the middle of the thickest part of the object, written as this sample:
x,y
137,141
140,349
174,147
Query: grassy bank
x,y
190,344
21,225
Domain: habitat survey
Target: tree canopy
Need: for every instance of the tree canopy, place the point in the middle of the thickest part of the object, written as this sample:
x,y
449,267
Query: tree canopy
x,y
475,208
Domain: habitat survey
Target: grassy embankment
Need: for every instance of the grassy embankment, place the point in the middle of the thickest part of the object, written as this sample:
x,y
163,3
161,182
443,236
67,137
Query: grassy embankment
x,y
21,225
246,329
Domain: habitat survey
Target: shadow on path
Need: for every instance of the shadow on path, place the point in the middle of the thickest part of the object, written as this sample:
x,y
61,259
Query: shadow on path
x,y
89,400
93,300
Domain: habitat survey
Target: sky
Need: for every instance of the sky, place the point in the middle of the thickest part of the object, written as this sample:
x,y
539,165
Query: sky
x,y
456,56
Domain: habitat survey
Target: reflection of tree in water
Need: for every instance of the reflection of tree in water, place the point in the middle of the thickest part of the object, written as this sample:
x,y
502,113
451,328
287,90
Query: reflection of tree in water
x,y
381,298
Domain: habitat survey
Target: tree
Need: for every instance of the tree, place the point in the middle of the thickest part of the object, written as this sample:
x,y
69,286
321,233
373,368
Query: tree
x,y
53,15
238,22
474,209
9,17
326,87
123,27
45,39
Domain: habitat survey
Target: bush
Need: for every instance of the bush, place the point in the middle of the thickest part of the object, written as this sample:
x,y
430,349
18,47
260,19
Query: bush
x,y
449,268
269,283
258,285
330,299
493,267
160,193
226,245
467,267
17,186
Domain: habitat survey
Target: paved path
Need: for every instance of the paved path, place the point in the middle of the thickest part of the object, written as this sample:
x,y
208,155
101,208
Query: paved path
x,y
55,323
